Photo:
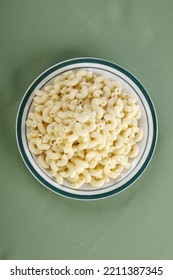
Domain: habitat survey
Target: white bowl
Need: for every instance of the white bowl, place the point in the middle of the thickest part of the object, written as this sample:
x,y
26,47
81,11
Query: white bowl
x,y
148,122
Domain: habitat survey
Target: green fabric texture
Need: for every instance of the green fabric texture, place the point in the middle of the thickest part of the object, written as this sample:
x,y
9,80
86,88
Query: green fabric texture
x,y
38,224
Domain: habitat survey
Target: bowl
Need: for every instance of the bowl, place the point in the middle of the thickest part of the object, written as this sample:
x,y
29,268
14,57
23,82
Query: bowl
x,y
148,122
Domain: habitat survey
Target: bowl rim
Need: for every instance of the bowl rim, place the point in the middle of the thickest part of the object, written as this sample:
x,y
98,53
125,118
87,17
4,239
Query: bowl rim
x,y
19,133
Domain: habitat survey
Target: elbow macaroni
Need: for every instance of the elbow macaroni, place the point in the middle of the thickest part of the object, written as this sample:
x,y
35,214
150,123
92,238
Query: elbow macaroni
x,y
84,128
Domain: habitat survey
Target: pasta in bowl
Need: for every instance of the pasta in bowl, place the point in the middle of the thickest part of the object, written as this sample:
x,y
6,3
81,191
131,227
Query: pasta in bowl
x,y
88,125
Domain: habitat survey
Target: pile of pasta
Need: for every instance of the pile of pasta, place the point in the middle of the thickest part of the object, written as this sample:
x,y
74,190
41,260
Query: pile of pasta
x,y
84,128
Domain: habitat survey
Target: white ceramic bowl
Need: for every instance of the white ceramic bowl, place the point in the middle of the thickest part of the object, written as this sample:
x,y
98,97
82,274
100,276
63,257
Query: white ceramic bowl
x,y
148,122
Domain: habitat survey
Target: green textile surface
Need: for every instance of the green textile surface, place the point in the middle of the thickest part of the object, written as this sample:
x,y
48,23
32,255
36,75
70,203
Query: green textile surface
x,y
38,224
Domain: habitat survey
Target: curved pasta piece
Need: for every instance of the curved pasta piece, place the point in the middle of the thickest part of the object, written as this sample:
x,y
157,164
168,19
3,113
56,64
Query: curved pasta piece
x,y
111,111
81,117
55,90
57,106
72,83
114,134
128,108
87,175
34,124
92,154
92,144
98,85
38,116
138,114
73,137
118,112
42,128
64,91
63,161
95,102
109,83
99,111
70,154
47,138
53,166
105,161
118,90
48,103
133,122
42,162
106,169
96,172
112,101
112,122
80,131
79,169
134,151
134,112
58,79
34,133
103,101
97,93
54,98
93,163
113,174
72,94
48,88
66,114
81,73
71,170
79,183
118,158
120,150
63,173
74,179
42,146
68,148
120,104
46,117
67,74
81,163
89,126
79,108
58,132
99,79
53,155
50,128
124,161
119,168
34,149
83,94
83,146
97,136
59,179
119,142
41,99
139,135
127,149
107,91
97,183
127,132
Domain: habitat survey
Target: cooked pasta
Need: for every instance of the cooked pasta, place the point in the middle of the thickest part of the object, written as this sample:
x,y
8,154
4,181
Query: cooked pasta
x,y
84,128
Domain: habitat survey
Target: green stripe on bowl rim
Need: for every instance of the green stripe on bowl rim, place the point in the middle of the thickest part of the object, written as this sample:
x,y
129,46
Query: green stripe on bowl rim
x,y
19,130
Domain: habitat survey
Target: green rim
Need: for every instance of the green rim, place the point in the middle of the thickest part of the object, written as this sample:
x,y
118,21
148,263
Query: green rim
x,y
19,128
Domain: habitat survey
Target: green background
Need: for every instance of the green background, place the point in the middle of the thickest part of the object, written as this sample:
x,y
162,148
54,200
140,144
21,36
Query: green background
x,y
38,224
